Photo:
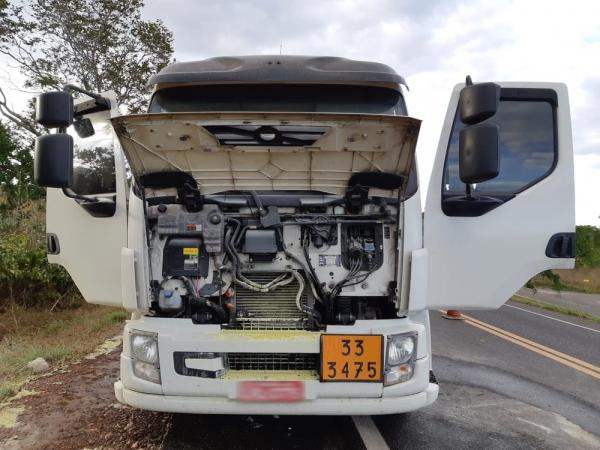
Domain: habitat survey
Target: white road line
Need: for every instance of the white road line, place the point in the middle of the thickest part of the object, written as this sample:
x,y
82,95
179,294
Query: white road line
x,y
369,433
554,318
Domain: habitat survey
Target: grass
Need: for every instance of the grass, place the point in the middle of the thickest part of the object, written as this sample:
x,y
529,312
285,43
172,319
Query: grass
x,y
6,391
58,337
555,308
584,280
117,316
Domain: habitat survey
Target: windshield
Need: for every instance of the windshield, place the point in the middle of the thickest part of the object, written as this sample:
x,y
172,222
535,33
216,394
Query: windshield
x,y
280,97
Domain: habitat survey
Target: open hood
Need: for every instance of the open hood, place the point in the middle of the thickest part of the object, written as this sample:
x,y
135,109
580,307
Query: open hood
x,y
268,151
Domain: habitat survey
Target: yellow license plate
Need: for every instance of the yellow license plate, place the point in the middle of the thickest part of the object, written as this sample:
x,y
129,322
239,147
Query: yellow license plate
x,y
351,357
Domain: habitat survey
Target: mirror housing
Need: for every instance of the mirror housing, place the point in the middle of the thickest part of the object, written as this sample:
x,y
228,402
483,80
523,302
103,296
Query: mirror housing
x,y
54,109
478,102
83,127
478,153
53,162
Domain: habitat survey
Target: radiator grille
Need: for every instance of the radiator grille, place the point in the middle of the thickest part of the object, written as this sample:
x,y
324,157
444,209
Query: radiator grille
x,y
273,361
275,310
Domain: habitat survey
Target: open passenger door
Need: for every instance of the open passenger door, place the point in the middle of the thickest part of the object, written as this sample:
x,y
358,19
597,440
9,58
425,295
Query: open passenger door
x,y
88,239
514,226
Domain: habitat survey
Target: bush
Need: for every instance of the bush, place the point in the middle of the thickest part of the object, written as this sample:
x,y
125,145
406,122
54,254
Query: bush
x,y
26,277
587,245
587,258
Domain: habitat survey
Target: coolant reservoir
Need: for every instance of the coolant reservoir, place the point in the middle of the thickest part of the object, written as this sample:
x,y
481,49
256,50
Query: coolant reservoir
x,y
169,297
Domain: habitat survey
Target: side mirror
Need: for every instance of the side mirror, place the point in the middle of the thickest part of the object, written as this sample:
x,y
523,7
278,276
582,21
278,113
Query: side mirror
x,y
53,162
83,127
54,109
478,154
478,102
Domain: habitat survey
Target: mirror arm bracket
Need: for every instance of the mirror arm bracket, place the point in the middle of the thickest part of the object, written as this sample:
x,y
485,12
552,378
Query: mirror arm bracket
x,y
102,102
72,87
468,190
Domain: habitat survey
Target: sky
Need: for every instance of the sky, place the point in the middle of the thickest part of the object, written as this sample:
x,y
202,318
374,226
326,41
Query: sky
x,y
434,44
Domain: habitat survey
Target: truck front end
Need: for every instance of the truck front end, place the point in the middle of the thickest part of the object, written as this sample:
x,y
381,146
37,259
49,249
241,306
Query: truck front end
x,y
272,214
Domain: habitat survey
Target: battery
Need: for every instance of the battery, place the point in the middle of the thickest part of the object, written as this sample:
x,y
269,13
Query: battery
x,y
185,257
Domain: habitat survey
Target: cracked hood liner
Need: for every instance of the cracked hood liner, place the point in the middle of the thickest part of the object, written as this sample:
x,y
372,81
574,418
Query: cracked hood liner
x,y
268,151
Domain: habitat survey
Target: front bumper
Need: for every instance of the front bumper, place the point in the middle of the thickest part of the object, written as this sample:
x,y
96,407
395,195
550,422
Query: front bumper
x,y
192,394
323,406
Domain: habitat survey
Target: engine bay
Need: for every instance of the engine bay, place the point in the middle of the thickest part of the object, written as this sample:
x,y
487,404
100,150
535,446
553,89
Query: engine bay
x,y
271,260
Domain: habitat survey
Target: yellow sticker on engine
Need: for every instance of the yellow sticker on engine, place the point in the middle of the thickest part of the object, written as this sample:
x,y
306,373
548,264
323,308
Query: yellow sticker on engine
x,y
190,250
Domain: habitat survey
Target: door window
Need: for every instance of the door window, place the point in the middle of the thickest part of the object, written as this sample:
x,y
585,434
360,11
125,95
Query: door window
x,y
94,162
527,149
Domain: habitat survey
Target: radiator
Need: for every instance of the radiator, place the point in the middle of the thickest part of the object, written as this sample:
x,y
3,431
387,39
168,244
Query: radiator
x,y
275,310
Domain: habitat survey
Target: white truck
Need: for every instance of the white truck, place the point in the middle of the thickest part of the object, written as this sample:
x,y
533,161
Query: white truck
x,y
263,224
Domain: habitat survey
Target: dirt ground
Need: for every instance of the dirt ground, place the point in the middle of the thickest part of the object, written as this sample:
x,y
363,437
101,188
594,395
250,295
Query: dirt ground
x,y
83,392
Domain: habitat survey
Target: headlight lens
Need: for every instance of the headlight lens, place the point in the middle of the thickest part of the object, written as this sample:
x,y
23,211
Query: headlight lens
x,y
144,347
400,358
146,371
400,349
144,352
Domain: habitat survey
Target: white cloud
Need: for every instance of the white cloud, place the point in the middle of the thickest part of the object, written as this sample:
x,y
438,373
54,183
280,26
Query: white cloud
x,y
587,189
434,44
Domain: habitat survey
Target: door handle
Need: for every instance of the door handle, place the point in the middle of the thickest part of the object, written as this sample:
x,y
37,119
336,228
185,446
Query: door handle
x,y
52,245
561,245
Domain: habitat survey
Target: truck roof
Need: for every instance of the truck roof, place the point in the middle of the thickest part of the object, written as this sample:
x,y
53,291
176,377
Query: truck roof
x,y
276,68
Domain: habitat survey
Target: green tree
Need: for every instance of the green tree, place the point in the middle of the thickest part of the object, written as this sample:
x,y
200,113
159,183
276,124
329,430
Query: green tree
x,y
587,246
99,45
16,171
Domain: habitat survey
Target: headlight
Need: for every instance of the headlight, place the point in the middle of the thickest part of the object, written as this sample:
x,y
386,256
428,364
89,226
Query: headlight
x,y
400,349
146,371
144,352
400,358
145,347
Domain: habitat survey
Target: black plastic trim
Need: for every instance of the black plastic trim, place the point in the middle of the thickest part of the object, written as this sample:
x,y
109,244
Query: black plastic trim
x,y
530,94
100,209
103,208
432,377
273,198
52,244
373,179
278,68
462,206
161,180
412,185
561,245
91,106
180,367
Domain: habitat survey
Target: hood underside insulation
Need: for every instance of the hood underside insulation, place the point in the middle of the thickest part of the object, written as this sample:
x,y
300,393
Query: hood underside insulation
x,y
268,151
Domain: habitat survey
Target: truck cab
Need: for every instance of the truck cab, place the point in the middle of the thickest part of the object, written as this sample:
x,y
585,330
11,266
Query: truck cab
x,y
262,222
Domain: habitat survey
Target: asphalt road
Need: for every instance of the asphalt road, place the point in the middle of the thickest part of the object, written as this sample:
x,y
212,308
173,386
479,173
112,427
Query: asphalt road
x,y
589,303
494,393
